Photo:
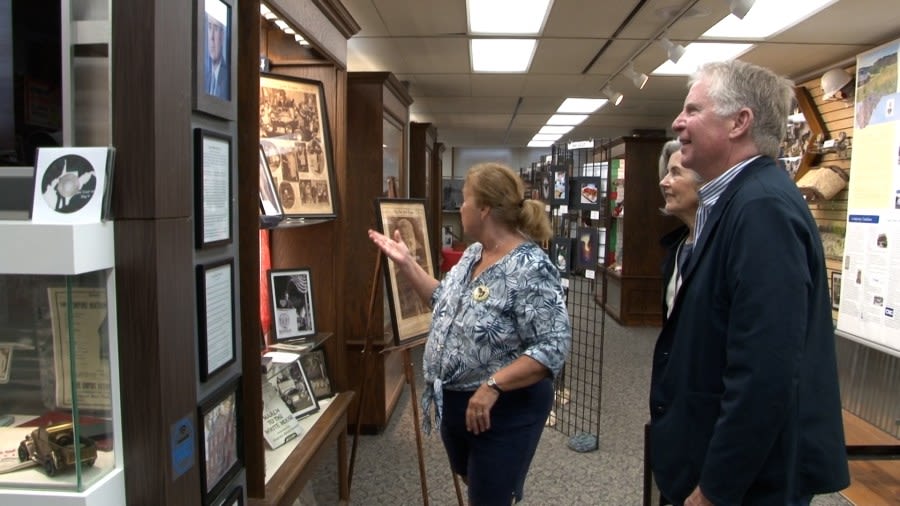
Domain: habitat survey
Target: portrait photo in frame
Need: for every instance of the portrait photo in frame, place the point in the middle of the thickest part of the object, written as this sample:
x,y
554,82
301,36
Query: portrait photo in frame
x,y
410,315
214,68
316,370
220,439
212,184
560,193
215,318
290,293
292,384
293,131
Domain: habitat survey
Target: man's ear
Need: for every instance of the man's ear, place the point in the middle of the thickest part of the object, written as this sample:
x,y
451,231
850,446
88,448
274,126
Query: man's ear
x,y
742,121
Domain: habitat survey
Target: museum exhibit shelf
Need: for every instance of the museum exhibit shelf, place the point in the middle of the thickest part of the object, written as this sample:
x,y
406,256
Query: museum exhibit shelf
x,y
59,366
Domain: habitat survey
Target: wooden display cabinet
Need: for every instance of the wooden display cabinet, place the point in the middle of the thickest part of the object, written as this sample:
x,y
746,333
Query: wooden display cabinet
x,y
633,279
377,123
425,175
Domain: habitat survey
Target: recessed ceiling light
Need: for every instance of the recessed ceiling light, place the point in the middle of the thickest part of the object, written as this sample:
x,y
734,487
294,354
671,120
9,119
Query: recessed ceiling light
x,y
567,119
699,53
501,55
556,129
581,105
766,18
507,17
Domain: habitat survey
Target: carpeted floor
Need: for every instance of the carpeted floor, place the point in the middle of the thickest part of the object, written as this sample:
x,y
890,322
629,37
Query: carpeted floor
x,y
386,469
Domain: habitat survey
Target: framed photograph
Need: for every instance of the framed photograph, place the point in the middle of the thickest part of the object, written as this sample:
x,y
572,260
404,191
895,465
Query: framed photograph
x,y
212,183
269,205
214,67
410,315
452,197
587,193
560,187
293,131
586,247
220,439
561,254
290,292
316,370
293,387
835,289
215,293
544,180
235,498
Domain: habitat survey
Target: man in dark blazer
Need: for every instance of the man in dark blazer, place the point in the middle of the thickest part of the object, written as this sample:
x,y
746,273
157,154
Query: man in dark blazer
x,y
744,400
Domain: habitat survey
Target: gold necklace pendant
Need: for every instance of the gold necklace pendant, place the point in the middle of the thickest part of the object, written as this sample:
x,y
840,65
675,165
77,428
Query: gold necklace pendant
x,y
481,293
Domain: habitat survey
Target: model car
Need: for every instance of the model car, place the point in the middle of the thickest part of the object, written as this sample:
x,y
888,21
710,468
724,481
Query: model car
x,y
53,448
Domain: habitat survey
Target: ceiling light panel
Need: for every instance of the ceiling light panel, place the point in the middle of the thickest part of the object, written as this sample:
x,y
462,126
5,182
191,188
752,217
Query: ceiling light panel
x,y
553,130
580,105
507,17
699,53
501,55
567,119
765,19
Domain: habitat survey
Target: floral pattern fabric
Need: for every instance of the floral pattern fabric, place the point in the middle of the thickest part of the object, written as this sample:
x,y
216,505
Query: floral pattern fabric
x,y
514,307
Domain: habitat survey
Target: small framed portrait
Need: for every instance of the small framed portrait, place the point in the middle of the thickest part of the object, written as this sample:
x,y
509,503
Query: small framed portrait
x,y
293,131
316,370
560,187
220,439
561,254
544,181
292,303
835,289
269,205
293,387
410,314
214,67
587,193
212,183
215,318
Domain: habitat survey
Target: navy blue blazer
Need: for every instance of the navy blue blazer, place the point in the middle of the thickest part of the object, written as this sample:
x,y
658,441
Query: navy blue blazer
x,y
744,393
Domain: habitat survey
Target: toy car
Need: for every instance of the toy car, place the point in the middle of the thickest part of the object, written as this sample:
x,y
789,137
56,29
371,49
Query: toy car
x,y
52,447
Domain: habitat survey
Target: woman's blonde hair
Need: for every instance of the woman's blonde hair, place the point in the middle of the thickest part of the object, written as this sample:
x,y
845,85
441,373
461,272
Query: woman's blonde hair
x,y
496,186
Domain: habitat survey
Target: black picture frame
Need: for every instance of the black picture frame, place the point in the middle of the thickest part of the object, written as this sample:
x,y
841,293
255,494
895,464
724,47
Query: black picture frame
x,y
585,250
293,387
215,90
410,315
221,447
293,313
560,187
296,140
544,181
835,290
316,368
452,194
269,204
215,317
234,498
588,193
561,254
213,188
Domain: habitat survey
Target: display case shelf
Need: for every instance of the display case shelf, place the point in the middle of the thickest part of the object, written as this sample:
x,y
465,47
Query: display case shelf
x,y
31,248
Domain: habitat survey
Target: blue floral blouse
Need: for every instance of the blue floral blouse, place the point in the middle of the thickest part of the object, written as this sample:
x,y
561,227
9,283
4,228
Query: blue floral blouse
x,y
480,325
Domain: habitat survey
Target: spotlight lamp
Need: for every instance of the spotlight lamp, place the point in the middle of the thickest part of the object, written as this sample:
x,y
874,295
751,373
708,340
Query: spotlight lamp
x,y
614,96
673,51
740,8
638,78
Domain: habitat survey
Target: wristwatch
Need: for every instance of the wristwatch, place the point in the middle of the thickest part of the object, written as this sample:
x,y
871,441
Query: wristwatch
x,y
491,382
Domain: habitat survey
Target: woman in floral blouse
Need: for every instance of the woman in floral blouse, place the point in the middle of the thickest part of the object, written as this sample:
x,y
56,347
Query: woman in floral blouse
x,y
499,334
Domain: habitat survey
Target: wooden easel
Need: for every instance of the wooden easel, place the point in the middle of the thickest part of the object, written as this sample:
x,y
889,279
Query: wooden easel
x,y
368,356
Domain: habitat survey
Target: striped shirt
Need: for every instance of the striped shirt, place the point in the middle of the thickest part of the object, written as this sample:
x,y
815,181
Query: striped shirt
x,y
710,193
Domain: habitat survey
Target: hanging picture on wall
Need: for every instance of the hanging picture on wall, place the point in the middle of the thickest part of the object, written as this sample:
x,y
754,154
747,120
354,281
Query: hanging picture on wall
x,y
410,315
215,318
587,193
214,67
560,190
586,244
561,254
212,185
293,131
220,439
290,291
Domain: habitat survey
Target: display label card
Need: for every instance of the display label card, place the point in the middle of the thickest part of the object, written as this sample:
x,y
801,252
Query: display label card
x,y
182,446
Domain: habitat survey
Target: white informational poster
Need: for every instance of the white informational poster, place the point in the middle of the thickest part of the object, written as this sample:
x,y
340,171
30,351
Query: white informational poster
x,y
70,185
869,310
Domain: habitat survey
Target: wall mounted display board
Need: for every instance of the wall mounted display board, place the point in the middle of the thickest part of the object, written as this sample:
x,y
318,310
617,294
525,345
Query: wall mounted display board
x,y
215,306
212,183
293,131
410,315
869,302
220,439
214,69
71,185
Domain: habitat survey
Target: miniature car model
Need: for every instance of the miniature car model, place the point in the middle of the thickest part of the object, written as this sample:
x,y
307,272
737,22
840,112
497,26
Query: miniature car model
x,y
53,448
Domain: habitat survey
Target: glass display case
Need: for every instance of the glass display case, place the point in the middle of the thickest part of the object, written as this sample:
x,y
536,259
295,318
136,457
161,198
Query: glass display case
x,y
59,404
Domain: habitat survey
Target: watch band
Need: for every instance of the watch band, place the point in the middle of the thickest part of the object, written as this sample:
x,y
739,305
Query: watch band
x,y
491,382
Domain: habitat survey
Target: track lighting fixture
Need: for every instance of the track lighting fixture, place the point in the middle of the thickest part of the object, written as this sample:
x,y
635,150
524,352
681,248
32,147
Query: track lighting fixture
x,y
638,78
673,51
740,8
614,96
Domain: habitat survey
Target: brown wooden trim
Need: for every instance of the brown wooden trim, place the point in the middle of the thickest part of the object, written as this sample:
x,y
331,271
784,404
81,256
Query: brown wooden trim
x,y
816,128
335,11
